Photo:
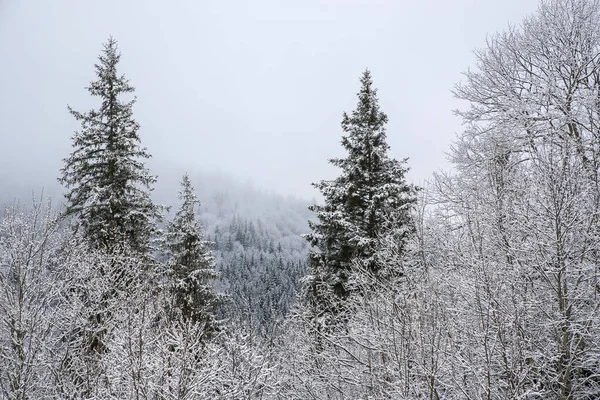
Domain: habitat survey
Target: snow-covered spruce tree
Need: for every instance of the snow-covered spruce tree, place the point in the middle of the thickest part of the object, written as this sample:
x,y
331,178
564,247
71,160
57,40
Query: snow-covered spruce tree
x,y
107,181
369,198
191,264
108,195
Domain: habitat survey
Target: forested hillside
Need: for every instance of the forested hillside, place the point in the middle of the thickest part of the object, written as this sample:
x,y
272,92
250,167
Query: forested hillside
x,y
256,239
255,236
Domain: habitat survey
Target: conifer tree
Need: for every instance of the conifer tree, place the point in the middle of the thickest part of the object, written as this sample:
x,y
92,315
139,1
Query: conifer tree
x,y
191,265
108,183
370,198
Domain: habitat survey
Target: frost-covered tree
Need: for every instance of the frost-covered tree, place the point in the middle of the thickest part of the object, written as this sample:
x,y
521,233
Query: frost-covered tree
x,y
191,264
520,252
99,288
30,291
369,199
108,184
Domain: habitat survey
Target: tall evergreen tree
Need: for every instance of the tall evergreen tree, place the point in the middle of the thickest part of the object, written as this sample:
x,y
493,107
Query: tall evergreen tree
x,y
369,199
108,184
191,265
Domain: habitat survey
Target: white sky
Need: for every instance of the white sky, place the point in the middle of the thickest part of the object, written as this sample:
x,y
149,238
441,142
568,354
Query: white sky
x,y
255,89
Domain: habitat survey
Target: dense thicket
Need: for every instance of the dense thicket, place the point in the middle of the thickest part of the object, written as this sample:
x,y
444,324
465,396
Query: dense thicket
x,y
50,288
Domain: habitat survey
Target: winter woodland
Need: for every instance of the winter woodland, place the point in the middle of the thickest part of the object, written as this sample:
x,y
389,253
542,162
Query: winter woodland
x,y
482,284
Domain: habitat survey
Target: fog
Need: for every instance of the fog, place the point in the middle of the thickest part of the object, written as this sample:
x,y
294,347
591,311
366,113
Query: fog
x,y
252,89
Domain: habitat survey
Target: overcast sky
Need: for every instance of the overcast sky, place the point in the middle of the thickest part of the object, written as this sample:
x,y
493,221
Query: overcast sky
x,y
255,89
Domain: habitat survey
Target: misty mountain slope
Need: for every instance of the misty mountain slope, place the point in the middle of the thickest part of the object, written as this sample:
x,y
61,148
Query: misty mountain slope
x,y
260,253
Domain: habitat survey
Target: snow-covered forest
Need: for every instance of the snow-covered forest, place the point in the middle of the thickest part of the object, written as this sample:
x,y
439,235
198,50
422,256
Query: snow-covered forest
x,y
481,283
